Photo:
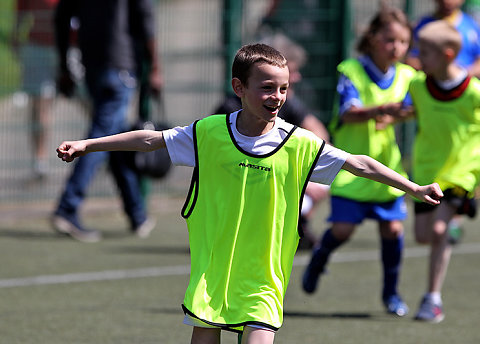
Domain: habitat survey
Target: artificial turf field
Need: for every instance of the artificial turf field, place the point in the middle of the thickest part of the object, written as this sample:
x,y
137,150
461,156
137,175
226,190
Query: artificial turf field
x,y
127,290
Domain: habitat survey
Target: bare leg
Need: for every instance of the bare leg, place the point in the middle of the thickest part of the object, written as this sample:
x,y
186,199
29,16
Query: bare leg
x,y
201,335
391,229
342,231
40,122
252,335
441,250
431,228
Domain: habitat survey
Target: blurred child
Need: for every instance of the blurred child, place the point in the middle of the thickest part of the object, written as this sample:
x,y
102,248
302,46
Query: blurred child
x,y
39,63
372,91
468,57
242,210
447,106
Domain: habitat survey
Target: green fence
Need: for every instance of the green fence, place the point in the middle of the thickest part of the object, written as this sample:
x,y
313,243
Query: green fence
x,y
197,40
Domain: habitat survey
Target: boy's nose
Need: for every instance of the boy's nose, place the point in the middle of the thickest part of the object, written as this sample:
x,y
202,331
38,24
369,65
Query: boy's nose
x,y
278,94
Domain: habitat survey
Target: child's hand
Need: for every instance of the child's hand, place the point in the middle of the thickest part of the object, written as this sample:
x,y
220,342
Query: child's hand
x,y
429,193
392,109
69,150
381,122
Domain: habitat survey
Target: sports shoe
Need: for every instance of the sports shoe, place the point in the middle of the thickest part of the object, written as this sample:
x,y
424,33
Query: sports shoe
x,y
313,271
143,230
430,312
395,305
70,225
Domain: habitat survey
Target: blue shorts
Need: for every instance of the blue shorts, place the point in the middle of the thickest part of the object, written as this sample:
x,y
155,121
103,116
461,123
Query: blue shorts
x,y
350,211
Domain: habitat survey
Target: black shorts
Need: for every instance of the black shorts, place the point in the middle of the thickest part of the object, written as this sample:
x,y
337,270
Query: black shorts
x,y
458,198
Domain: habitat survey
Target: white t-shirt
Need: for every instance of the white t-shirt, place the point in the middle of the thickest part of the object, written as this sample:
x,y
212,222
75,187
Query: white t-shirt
x,y
180,147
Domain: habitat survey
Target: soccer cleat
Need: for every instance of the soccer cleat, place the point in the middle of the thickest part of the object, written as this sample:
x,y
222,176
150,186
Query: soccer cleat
x,y
313,271
69,224
145,228
395,305
430,312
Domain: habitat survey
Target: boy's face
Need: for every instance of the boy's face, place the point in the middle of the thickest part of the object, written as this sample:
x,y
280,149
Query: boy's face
x,y
433,60
265,93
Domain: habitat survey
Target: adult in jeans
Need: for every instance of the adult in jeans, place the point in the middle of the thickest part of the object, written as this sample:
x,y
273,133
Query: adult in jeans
x,y
113,38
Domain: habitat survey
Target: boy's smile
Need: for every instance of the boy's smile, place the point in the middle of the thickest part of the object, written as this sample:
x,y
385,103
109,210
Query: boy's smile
x,y
262,97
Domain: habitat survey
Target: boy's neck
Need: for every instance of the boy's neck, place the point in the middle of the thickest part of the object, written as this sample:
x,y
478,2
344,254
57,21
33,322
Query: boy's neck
x,y
251,126
453,71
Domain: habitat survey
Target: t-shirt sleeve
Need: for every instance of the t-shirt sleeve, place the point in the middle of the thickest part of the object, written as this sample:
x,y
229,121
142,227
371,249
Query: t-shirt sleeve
x,y
348,94
179,141
407,101
329,163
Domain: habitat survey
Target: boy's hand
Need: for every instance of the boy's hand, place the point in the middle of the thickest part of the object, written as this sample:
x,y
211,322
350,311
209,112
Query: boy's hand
x,y
429,193
69,150
382,122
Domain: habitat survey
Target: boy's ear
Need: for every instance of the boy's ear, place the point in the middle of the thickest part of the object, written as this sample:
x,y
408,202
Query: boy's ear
x,y
450,54
237,87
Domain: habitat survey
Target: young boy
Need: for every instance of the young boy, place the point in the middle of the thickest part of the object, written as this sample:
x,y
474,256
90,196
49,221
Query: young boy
x,y
242,210
447,102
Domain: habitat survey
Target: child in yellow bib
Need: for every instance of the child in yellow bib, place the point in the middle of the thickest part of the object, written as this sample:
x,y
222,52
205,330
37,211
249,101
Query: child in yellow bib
x,y
446,149
250,172
371,89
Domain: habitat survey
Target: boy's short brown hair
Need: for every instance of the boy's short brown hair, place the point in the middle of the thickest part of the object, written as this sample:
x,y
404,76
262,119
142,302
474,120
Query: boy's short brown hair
x,y
441,35
250,54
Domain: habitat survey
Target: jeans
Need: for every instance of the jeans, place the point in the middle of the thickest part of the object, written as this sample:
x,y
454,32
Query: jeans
x,y
110,90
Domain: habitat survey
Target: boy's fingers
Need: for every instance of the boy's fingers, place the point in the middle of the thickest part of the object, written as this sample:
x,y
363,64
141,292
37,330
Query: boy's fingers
x,y
431,200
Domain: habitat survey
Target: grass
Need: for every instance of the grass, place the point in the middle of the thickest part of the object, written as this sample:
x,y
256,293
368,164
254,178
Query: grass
x,y
346,308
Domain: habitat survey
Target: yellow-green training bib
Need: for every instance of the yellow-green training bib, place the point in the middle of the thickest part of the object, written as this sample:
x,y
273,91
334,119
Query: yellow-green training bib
x,y
364,138
242,214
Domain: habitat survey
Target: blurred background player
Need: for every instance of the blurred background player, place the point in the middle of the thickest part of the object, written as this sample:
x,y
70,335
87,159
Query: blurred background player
x,y
35,40
447,107
468,57
294,111
371,89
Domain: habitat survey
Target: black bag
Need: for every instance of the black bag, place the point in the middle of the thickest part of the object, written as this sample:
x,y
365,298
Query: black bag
x,y
151,114
155,164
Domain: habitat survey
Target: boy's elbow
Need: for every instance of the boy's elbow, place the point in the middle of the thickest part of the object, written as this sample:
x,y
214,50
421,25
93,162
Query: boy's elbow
x,y
356,164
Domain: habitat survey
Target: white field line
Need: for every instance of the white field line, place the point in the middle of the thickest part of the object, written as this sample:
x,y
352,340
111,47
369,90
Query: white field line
x,y
108,275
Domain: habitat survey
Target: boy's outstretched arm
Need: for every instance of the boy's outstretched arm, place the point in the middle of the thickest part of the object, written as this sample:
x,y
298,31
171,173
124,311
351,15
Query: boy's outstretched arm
x,y
138,140
367,167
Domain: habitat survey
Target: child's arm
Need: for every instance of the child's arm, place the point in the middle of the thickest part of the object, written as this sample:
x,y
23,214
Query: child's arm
x,y
402,115
367,167
138,140
361,114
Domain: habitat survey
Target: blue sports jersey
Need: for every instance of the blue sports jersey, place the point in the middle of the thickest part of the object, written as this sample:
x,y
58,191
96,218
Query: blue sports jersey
x,y
470,32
